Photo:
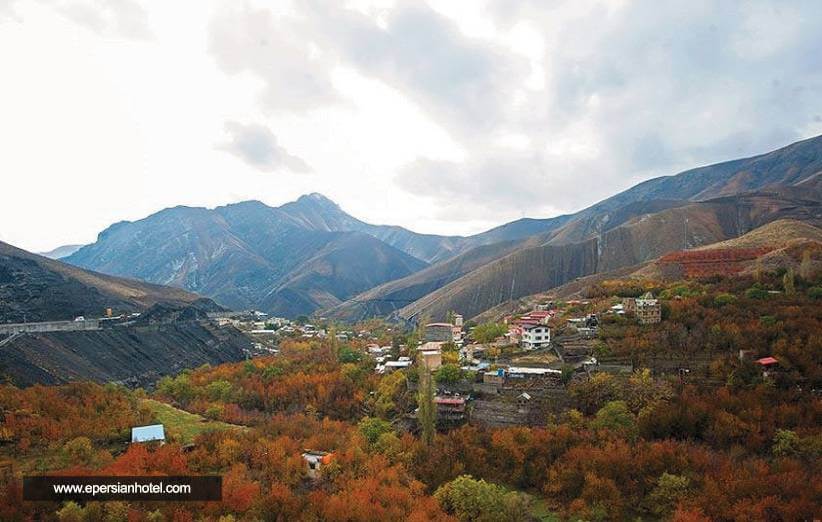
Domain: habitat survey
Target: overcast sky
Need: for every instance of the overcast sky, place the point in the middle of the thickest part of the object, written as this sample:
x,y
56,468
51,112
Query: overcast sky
x,y
445,117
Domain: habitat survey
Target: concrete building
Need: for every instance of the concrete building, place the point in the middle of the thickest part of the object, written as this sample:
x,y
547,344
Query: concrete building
x,y
535,336
432,359
443,332
450,410
646,309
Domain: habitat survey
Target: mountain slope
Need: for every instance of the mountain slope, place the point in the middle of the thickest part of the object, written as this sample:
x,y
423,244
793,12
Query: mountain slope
x,y
797,168
136,356
319,213
790,165
390,297
345,266
248,255
645,237
61,251
35,288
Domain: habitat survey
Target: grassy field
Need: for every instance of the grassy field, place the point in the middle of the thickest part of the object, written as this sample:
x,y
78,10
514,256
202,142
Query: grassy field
x,y
182,426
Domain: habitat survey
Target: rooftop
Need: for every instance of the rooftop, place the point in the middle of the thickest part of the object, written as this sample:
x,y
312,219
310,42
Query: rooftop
x,y
150,433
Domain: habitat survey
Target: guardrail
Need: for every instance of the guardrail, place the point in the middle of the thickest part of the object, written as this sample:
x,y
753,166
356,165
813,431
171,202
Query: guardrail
x,y
49,326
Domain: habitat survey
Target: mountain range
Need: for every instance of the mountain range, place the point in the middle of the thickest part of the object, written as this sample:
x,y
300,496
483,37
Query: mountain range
x,y
309,256
35,288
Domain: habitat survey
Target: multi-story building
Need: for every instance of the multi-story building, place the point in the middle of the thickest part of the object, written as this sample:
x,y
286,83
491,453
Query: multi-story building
x,y
647,309
535,336
450,410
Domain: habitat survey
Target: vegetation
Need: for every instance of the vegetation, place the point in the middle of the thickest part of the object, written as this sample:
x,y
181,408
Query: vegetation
x,y
488,332
723,442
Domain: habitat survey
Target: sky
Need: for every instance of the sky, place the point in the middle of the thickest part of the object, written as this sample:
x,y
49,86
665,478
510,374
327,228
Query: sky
x,y
447,117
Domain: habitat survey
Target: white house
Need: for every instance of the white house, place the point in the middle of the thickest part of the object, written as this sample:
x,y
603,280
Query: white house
x,y
535,336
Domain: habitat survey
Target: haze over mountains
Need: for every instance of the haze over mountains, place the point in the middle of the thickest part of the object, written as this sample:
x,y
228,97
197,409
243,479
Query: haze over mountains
x,y
310,256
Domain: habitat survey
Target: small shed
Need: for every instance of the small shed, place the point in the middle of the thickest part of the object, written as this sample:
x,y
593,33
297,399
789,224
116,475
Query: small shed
x,y
769,365
153,433
316,460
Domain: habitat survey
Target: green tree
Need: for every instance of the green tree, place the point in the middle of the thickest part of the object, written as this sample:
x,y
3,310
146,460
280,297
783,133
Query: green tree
x,y
348,355
785,443
567,374
389,392
616,416
371,428
220,390
806,266
427,410
487,332
667,493
449,374
479,501
788,282
71,512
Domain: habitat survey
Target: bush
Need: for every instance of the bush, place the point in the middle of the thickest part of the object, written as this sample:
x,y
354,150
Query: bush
x,y
724,299
756,293
815,292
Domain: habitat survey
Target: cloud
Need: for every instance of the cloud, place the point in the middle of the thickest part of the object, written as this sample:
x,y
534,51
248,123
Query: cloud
x,y
277,50
120,18
257,146
636,90
608,93
466,84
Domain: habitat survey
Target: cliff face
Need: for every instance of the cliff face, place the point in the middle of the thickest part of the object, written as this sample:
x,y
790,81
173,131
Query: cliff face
x,y
135,356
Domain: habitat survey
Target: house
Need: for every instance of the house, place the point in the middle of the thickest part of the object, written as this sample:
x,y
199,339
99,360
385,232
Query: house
x,y
432,359
523,401
647,309
391,366
152,433
430,346
316,460
450,410
442,332
535,336
472,352
496,377
768,364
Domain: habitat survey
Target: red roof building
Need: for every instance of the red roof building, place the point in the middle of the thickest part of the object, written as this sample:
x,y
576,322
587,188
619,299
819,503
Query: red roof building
x,y
767,361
